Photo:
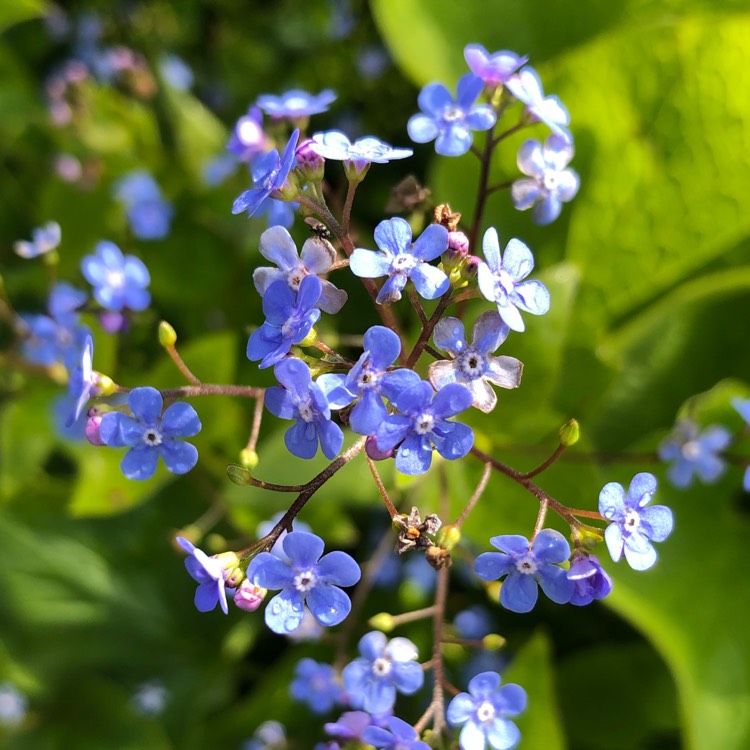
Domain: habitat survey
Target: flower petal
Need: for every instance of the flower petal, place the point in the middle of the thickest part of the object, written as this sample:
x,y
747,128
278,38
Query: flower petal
x,y
369,264
277,245
339,569
329,604
429,281
180,420
146,404
178,456
284,612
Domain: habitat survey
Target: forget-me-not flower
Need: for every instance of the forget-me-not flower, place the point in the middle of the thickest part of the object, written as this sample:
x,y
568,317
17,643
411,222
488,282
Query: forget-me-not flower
x,y
501,280
401,260
591,581
334,144
632,525
149,215
83,382
494,69
317,685
270,172
44,239
289,318
474,365
209,573
119,281
305,578
525,564
382,669
296,103
300,399
317,257
423,423
398,736
150,434
549,184
693,453
526,86
248,139
369,380
483,712
448,121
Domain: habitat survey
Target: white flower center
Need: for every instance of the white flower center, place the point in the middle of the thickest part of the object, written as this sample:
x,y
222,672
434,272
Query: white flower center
x,y
368,379
551,180
424,423
504,281
526,565
152,437
381,666
453,114
306,412
691,451
295,104
115,279
485,713
294,277
249,132
304,581
632,521
403,263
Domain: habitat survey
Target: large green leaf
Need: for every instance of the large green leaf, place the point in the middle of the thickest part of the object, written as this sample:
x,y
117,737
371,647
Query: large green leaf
x,y
14,12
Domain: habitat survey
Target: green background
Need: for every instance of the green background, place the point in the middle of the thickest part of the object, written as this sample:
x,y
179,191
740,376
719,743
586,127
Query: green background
x,y
649,270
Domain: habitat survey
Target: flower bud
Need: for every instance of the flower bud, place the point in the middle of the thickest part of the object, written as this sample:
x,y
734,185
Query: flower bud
x,y
93,424
113,322
449,537
570,433
470,267
167,335
382,622
311,339
438,557
105,385
249,596
356,169
458,242
372,450
493,642
249,459
289,191
310,165
230,564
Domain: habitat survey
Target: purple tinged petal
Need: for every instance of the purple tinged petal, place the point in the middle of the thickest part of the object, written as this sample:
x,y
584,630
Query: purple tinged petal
x,y
443,372
339,569
449,336
483,397
139,463
504,371
391,290
284,612
331,299
318,255
146,404
660,520
277,245
206,596
329,604
550,546
489,566
180,420
369,264
519,592
489,332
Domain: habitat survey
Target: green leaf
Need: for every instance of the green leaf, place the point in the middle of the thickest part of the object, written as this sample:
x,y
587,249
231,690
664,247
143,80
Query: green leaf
x,y
17,11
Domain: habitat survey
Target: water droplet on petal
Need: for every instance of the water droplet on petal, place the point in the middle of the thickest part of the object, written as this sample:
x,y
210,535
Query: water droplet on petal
x,y
405,451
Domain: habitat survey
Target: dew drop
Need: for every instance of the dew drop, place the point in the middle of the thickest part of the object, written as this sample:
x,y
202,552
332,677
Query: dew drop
x,y
276,608
405,452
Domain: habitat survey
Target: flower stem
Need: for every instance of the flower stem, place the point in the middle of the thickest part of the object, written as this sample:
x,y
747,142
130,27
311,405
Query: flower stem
x,y
478,492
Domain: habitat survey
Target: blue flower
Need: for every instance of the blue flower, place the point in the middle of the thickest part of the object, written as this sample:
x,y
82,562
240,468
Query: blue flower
x,y
149,215
176,72
383,668
550,184
47,341
218,169
150,698
64,301
369,380
119,280
270,735
289,318
473,623
317,685
278,213
526,86
589,578
248,138
693,453
451,121
483,711
270,172
424,424
13,705
318,255
44,239
333,144
501,280
303,401
401,260
150,434
305,578
742,405
350,725
209,573
632,525
525,565
474,366
398,736
296,104
494,69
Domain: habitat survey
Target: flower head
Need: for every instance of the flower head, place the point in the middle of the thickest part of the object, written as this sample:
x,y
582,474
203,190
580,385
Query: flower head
x,y
474,365
300,399
549,184
398,736
289,318
501,280
150,434
483,711
209,573
424,424
270,172
44,239
334,144
382,669
589,578
694,454
317,257
401,260
270,735
306,578
369,380
525,565
526,86
448,121
119,281
296,104
149,215
317,685
248,138
494,69
632,525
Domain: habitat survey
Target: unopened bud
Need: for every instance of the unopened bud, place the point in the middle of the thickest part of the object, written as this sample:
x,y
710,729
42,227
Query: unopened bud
x,y
230,564
249,596
470,267
105,385
93,424
438,557
570,433
289,191
375,453
311,339
355,170
249,458
167,335
310,165
449,537
458,242
493,642
382,621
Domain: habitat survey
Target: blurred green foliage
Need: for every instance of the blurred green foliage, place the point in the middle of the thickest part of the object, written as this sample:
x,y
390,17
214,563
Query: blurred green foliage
x,y
649,270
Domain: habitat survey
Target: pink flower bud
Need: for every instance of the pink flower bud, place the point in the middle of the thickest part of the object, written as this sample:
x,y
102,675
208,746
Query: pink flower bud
x,y
372,450
458,243
92,427
249,596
